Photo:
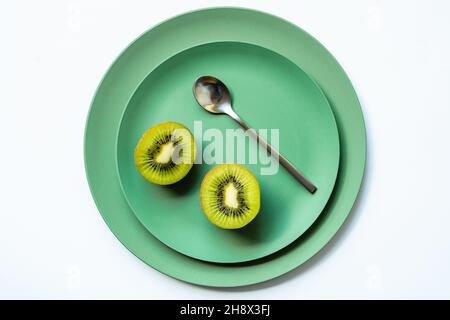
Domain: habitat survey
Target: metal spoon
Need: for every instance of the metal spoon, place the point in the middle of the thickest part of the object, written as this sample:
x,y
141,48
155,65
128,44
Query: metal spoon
x,y
213,95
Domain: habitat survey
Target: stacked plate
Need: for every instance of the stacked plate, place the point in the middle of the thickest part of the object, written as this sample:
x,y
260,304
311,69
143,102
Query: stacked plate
x,y
280,78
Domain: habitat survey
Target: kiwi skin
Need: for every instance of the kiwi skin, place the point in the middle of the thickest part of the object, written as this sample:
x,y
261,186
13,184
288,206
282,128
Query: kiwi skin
x,y
254,203
143,144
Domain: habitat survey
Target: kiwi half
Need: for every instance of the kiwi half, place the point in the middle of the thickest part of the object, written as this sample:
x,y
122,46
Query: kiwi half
x,y
230,196
165,153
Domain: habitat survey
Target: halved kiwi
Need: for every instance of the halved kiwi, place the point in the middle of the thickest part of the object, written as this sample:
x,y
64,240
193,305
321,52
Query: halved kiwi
x,y
230,196
165,153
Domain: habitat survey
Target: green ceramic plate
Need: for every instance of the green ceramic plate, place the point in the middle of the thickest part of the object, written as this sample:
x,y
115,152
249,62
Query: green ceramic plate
x,y
170,38
272,93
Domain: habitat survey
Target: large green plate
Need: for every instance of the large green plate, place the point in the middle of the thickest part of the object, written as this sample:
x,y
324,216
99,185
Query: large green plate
x,y
174,36
270,92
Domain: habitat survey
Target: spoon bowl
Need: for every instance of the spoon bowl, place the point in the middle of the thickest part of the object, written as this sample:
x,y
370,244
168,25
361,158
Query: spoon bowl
x,y
212,95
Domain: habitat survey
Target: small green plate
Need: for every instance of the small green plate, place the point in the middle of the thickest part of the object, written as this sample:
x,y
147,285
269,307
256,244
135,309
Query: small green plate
x,y
178,34
270,92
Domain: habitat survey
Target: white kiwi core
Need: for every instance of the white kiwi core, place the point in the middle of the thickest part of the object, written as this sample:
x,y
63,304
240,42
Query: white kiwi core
x,y
165,154
231,196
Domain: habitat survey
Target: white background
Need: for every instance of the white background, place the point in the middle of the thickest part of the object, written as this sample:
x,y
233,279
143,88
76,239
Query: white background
x,y
54,243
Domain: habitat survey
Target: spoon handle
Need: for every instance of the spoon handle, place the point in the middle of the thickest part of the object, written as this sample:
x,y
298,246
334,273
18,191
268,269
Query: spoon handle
x,y
282,160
